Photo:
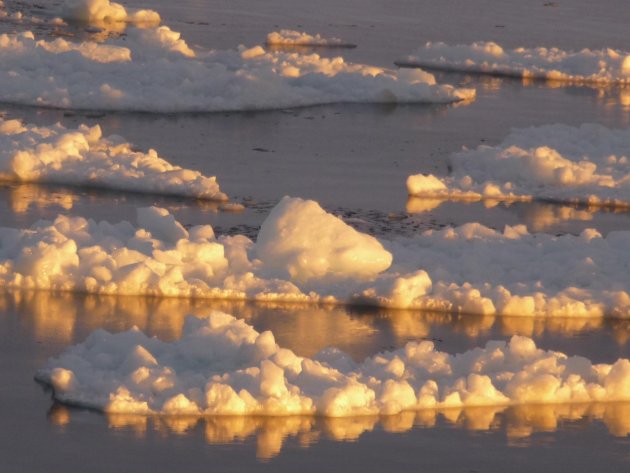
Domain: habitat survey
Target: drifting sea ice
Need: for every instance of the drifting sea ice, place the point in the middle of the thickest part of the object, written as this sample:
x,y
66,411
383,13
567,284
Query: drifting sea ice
x,y
299,38
13,14
587,165
585,66
154,70
83,157
104,11
223,366
304,254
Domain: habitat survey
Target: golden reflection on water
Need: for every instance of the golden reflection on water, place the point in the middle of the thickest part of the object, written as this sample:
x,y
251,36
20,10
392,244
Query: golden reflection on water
x,y
537,216
66,318
23,197
609,95
518,424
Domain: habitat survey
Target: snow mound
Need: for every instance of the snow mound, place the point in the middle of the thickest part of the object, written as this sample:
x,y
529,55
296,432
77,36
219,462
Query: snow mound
x,y
585,66
299,38
223,366
104,11
307,255
301,241
560,163
154,70
83,157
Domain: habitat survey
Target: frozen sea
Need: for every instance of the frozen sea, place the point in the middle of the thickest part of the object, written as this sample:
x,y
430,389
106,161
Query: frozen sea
x,y
354,160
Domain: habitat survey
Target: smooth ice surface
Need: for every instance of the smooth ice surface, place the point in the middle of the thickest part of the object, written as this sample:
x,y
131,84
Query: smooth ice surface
x,y
154,70
598,66
305,254
586,164
83,157
222,366
300,38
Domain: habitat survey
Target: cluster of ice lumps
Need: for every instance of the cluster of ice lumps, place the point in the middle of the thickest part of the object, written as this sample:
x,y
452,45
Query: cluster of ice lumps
x,y
104,11
16,13
154,70
305,254
223,366
560,163
300,38
83,157
585,66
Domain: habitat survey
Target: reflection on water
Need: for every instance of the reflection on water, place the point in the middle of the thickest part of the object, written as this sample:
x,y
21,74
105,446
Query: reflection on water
x,y
537,216
518,424
23,197
608,95
65,318
25,202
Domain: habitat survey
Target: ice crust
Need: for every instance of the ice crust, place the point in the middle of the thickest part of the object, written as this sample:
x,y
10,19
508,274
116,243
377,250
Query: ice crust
x,y
154,70
83,157
560,163
299,38
585,66
223,366
304,254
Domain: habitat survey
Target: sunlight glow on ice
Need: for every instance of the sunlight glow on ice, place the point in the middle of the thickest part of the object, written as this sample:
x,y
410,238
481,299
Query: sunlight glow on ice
x,y
304,254
104,11
585,165
585,66
299,38
154,70
223,366
83,157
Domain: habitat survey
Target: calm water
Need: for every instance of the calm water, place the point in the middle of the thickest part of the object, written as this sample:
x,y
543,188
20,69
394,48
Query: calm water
x,y
354,159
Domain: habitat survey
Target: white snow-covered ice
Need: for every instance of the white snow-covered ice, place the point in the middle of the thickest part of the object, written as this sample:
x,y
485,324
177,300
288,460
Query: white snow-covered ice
x,y
584,66
83,157
584,165
304,254
104,11
223,366
300,38
12,13
154,70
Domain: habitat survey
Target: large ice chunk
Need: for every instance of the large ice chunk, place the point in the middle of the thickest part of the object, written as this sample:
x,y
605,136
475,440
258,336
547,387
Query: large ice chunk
x,y
222,366
585,66
154,70
587,164
83,157
302,241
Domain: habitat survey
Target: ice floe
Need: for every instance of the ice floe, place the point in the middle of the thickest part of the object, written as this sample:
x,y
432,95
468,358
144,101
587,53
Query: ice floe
x,y
223,366
304,254
154,70
15,13
104,11
299,38
585,66
559,163
83,157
